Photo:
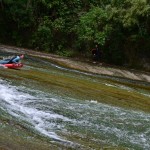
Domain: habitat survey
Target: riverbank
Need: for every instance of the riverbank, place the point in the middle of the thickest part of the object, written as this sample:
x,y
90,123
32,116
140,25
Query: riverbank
x,y
87,65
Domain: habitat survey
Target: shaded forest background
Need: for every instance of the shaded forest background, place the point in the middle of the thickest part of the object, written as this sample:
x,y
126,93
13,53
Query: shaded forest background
x,y
72,27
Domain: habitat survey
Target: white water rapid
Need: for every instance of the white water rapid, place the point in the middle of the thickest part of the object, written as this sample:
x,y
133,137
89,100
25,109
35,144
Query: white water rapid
x,y
56,116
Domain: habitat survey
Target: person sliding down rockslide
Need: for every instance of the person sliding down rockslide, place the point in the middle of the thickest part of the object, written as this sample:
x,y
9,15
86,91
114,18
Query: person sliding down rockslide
x,y
13,63
15,59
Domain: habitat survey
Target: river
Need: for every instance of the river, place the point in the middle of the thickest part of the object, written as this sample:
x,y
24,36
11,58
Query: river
x,y
75,109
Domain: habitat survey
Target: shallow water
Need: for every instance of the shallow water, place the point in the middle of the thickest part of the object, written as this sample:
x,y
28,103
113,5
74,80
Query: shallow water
x,y
71,107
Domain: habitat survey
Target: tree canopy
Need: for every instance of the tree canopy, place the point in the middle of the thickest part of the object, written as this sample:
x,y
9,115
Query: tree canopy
x,y
120,27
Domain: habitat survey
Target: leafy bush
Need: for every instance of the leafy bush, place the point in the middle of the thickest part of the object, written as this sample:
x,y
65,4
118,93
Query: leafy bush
x,y
120,27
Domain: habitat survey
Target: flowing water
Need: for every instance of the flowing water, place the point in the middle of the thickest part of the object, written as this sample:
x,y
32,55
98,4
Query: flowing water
x,y
76,109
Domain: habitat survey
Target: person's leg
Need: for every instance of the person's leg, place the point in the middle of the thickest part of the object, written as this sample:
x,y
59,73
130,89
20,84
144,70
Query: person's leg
x,y
4,62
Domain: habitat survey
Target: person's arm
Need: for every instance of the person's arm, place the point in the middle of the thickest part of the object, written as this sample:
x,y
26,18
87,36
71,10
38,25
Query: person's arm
x,y
16,60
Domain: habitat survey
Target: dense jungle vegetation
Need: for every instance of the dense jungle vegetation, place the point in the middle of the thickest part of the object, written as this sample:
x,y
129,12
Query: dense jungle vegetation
x,y
72,27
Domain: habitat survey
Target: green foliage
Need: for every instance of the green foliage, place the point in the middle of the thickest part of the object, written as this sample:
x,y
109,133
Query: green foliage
x,y
92,26
66,53
138,9
59,24
42,38
17,21
120,27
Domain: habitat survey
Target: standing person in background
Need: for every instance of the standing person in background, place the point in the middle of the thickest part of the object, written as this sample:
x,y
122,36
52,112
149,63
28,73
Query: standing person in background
x,y
96,53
